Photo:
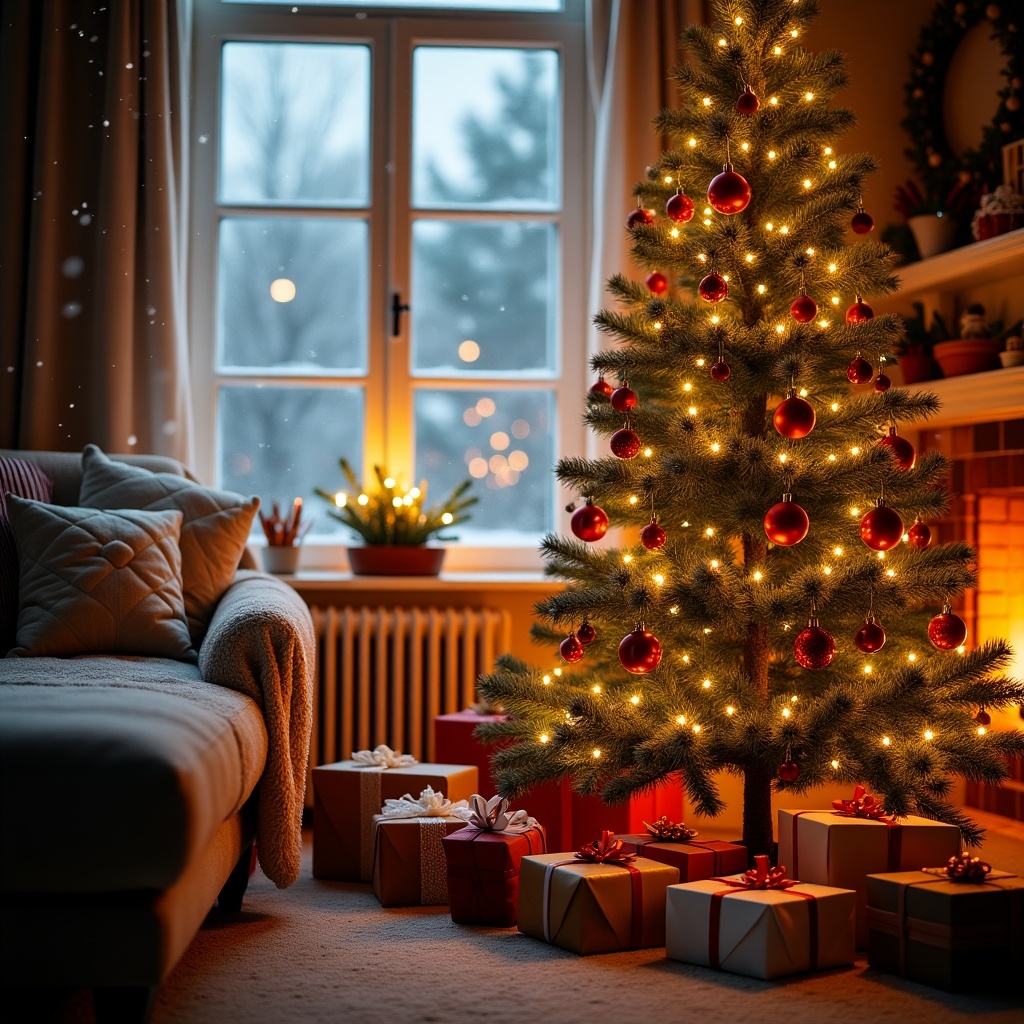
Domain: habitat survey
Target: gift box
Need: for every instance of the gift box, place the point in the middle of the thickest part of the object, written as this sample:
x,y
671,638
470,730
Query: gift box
x,y
594,907
761,933
408,860
695,858
590,814
347,795
483,861
831,848
953,935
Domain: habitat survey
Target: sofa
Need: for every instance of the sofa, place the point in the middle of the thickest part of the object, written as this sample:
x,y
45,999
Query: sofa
x,y
133,788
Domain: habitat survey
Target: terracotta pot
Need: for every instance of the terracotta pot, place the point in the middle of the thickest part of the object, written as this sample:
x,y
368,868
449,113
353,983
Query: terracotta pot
x,y
281,560
932,233
917,367
395,560
968,355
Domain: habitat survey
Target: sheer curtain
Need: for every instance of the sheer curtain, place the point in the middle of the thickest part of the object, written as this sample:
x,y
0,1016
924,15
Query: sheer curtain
x,y
93,119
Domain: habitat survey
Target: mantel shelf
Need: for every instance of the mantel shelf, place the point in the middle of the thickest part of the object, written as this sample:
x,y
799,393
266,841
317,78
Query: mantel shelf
x,y
976,397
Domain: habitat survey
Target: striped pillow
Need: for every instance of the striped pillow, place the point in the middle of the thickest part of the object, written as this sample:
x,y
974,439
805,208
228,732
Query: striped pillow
x,y
27,480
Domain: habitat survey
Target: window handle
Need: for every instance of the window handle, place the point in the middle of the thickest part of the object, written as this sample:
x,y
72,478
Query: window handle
x,y
397,309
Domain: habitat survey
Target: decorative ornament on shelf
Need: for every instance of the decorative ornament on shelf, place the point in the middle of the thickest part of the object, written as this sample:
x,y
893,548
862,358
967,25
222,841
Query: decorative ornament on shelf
x,y
919,535
729,192
623,398
814,647
862,222
803,308
586,634
882,527
870,637
657,283
978,347
1000,211
601,388
640,216
625,443
679,208
903,452
947,630
713,287
794,416
859,371
589,522
571,649
859,313
640,651
652,536
786,523
747,101
933,220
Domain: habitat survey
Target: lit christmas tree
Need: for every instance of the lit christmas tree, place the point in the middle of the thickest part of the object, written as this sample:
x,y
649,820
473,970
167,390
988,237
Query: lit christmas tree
x,y
779,615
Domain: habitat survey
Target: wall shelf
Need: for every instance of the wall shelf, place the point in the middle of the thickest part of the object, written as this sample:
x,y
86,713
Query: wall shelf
x,y
975,397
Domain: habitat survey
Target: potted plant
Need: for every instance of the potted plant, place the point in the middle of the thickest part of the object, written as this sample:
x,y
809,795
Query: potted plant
x,y
932,219
978,347
284,535
914,351
395,525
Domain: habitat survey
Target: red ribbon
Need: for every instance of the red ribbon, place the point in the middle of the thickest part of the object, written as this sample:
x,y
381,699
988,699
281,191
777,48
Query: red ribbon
x,y
964,868
760,876
606,850
863,805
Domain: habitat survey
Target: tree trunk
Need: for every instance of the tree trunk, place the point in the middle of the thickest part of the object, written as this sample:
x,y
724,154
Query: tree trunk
x,y
757,811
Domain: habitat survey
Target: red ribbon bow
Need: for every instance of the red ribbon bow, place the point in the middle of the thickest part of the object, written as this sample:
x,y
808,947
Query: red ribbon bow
x,y
760,876
669,831
861,806
606,850
964,868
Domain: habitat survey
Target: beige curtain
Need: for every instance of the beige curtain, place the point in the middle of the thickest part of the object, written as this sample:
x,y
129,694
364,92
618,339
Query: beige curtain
x,y
93,119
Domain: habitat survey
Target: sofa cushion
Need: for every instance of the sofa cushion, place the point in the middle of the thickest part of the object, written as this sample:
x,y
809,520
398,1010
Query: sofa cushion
x,y
116,772
213,535
98,582
27,480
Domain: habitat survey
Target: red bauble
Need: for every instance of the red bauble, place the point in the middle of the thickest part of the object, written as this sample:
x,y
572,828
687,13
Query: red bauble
x,y
625,443
870,637
983,717
657,283
862,223
803,309
902,450
786,523
623,399
589,522
720,370
679,208
947,630
747,102
640,651
859,371
652,536
729,192
713,288
814,647
794,417
882,382
919,535
789,771
570,649
859,313
601,388
639,216
586,634
881,528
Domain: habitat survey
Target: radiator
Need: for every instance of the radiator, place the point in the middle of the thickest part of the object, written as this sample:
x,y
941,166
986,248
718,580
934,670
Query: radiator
x,y
384,674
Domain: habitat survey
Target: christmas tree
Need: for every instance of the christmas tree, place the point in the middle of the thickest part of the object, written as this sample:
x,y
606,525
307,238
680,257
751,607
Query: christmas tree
x,y
779,615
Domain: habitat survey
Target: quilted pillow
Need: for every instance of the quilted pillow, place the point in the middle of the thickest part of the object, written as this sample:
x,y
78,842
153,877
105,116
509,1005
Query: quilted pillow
x,y
213,535
95,582
27,480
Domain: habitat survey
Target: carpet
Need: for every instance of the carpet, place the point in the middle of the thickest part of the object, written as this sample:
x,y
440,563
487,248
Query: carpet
x,y
326,952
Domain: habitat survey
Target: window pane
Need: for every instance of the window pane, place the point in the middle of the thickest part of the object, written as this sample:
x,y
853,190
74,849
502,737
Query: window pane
x,y
484,298
505,441
471,5
281,442
295,124
292,294
485,128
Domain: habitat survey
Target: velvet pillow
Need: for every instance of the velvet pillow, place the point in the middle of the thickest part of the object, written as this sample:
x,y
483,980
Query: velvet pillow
x,y
27,480
213,535
99,582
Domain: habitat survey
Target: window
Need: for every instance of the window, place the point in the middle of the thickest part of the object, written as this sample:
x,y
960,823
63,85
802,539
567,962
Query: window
x,y
387,256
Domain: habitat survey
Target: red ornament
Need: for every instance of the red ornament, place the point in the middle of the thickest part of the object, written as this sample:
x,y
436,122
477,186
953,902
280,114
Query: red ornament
x,y
881,528
919,534
679,208
859,371
589,522
748,103
786,523
570,649
639,216
713,288
859,313
657,283
983,717
870,637
729,192
623,398
794,416
902,450
789,771
601,388
803,308
882,382
814,646
862,223
947,630
720,370
625,443
652,536
586,634
640,651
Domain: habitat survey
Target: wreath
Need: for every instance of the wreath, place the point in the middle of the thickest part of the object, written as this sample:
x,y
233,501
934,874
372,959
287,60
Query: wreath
x,y
939,167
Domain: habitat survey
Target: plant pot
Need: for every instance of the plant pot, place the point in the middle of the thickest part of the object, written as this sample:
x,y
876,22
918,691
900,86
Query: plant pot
x,y
395,560
1013,358
283,561
968,355
932,233
917,367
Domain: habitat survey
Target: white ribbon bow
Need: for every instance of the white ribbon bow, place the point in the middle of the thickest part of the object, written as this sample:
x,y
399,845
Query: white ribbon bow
x,y
492,816
383,757
429,805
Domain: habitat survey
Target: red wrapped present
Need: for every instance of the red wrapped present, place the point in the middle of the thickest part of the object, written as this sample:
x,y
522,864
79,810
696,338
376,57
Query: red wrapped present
x,y
590,814
484,859
675,844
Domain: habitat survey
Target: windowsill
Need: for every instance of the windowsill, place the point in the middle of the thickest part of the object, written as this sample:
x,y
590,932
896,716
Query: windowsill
x,y
313,580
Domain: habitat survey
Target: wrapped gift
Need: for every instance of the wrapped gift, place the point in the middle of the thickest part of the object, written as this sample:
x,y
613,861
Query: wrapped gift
x,y
760,924
857,838
601,900
347,795
591,815
483,862
958,927
673,843
408,856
